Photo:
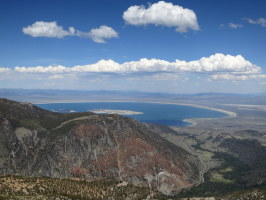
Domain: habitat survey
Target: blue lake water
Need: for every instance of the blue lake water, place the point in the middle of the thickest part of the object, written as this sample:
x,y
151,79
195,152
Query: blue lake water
x,y
167,114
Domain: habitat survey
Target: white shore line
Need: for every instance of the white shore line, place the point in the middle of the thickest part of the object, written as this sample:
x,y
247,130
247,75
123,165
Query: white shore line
x,y
193,121
119,112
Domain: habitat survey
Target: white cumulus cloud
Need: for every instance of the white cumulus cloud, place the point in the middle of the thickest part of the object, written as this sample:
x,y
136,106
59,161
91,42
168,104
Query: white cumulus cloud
x,y
214,63
47,29
100,34
220,63
100,66
233,25
52,30
41,69
261,21
163,14
217,63
3,69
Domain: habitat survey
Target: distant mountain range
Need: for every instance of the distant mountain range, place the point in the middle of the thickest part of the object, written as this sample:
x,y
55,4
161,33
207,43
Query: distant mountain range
x,y
50,95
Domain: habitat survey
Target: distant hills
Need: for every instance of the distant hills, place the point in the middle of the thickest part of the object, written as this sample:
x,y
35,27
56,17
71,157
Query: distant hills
x,y
50,95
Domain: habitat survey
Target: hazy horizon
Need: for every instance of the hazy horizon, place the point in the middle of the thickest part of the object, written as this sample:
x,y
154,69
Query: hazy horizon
x,y
134,91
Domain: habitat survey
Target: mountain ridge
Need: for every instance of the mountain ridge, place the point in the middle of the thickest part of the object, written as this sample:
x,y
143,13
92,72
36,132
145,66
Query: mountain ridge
x,y
88,146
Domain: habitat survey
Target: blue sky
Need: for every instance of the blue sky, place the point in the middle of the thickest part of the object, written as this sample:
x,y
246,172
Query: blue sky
x,y
176,46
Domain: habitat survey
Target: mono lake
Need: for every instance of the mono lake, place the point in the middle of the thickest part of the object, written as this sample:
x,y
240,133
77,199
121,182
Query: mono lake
x,y
167,114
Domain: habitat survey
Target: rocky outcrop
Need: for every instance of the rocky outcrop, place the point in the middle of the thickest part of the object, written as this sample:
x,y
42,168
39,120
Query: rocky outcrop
x,y
35,142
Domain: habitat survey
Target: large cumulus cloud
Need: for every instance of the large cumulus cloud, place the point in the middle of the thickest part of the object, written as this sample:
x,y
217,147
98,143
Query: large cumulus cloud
x,y
163,14
217,63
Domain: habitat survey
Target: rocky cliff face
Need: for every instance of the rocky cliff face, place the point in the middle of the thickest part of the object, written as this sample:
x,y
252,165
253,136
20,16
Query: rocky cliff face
x,y
36,142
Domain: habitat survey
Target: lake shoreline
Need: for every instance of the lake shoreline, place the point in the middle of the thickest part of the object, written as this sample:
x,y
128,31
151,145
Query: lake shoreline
x,y
192,121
